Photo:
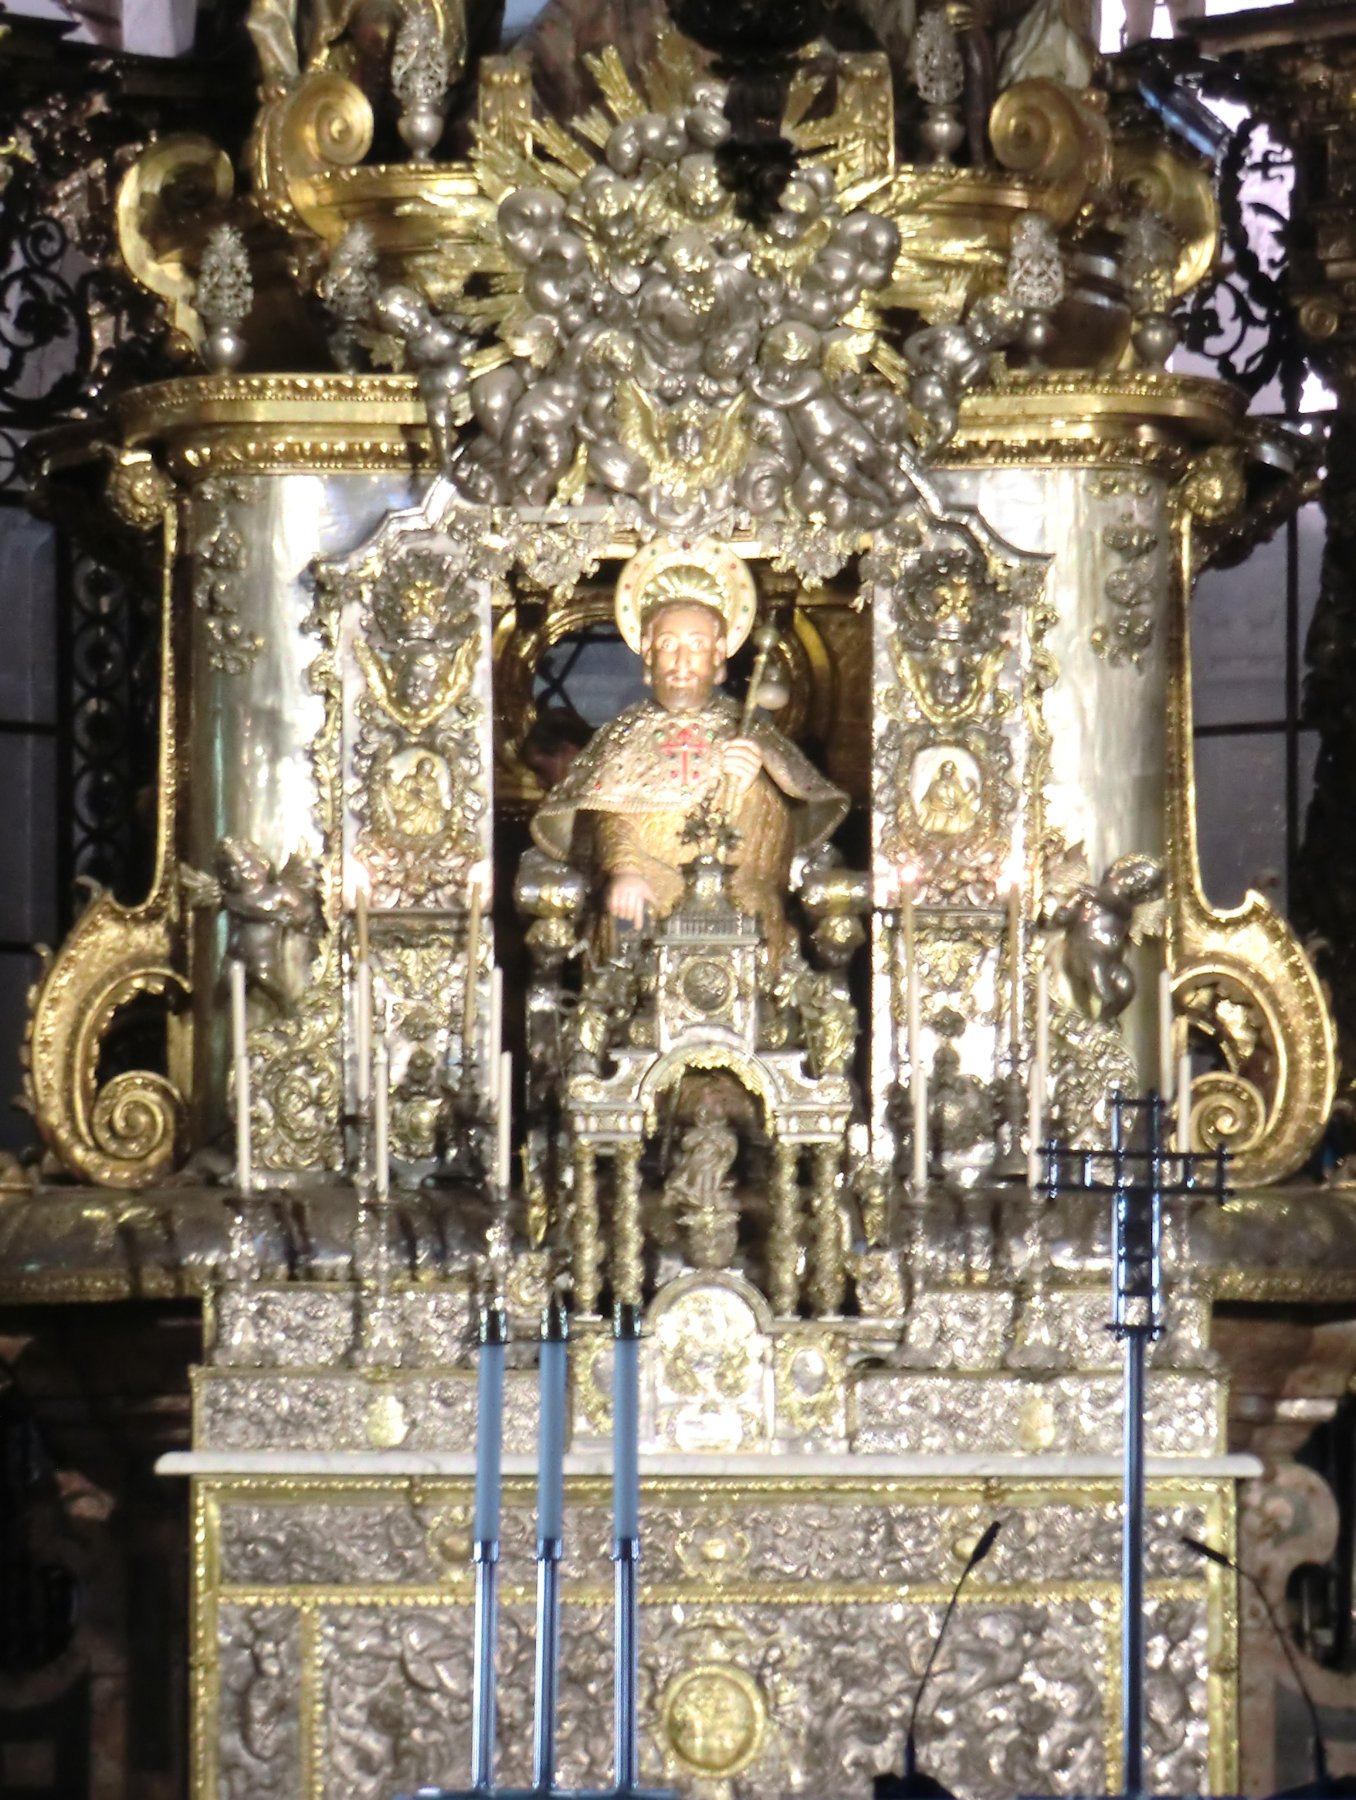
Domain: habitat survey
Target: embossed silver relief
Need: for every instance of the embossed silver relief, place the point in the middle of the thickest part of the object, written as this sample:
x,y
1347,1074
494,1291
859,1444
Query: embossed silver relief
x,y
310,1326
1134,582
957,623
396,1698
404,765
417,760
297,1092
419,975
334,1411
731,1703
734,1705
931,1414
221,571
258,1752
948,690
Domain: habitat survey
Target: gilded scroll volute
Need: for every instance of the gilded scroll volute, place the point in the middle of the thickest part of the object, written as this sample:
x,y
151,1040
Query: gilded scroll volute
x,y
1051,136
320,87
322,124
127,1131
167,202
1241,980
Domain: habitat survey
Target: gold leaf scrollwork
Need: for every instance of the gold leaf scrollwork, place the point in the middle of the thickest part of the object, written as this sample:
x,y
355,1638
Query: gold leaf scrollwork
x,y
169,199
1040,129
125,1133
1226,1110
1242,981
137,489
324,123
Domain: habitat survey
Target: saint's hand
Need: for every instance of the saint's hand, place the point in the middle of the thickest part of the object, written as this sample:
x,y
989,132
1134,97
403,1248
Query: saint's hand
x,y
627,898
741,760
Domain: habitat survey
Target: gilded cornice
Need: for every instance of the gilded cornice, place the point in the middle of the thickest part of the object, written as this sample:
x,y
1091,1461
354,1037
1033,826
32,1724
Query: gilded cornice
x,y
328,422
1073,417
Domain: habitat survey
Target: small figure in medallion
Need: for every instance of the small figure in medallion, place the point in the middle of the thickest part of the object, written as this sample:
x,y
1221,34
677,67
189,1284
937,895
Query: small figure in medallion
x,y
625,812
950,805
419,797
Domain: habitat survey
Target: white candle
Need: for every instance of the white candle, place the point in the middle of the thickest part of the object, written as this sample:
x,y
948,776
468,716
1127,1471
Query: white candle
x,y
468,1017
918,1083
1184,1104
918,1089
490,1426
362,999
1165,1036
362,1031
496,1030
381,1113
1043,1024
1038,1078
244,1164
504,1120
1035,1126
910,931
1015,963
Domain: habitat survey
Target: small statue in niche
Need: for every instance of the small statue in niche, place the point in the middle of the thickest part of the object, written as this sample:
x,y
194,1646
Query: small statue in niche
x,y
267,911
1100,919
625,809
700,1191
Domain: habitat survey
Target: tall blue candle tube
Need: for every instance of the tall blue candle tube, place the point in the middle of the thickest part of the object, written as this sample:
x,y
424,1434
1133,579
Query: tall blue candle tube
x,y
485,1541
551,1439
626,1538
626,1425
550,1532
490,1425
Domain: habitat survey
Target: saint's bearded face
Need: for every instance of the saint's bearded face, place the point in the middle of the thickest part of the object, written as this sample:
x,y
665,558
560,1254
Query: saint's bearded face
x,y
683,648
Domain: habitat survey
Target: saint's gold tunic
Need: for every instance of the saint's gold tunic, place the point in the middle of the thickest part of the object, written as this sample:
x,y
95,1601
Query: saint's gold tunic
x,y
622,806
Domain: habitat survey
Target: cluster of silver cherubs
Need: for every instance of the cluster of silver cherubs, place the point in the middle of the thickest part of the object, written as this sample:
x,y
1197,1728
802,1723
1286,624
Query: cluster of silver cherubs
x,y
657,348
662,349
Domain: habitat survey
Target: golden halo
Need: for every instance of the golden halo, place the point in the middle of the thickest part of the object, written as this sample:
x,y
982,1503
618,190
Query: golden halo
x,y
697,570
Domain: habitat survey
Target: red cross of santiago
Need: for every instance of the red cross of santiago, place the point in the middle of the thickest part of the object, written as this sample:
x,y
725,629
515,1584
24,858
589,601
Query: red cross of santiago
x,y
684,743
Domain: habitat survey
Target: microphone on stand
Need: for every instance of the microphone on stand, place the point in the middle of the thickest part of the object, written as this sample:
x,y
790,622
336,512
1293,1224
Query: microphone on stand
x,y
912,1785
1323,1783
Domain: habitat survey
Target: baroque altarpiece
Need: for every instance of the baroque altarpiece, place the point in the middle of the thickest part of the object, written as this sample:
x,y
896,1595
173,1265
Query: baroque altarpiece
x,y
817,397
